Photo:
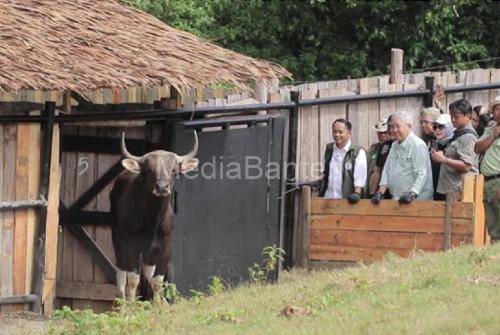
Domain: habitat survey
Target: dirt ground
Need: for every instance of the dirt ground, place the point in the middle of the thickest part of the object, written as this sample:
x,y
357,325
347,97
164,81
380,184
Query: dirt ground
x,y
23,323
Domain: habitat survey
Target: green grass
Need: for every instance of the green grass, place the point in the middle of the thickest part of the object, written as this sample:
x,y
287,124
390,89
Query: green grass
x,y
456,292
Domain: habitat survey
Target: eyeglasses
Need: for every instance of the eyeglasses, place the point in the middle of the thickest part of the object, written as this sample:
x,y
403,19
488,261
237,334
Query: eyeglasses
x,y
437,126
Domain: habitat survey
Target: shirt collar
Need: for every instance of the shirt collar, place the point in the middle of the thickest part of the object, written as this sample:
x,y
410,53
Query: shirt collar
x,y
344,149
407,140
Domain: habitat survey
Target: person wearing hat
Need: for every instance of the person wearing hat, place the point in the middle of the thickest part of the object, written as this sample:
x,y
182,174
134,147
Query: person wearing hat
x,y
345,170
458,158
427,118
443,132
489,144
374,171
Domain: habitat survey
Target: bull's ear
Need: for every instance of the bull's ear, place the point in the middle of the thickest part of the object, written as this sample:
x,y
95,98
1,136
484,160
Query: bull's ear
x,y
131,165
189,165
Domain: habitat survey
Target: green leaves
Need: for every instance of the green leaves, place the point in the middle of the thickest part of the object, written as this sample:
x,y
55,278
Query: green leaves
x,y
327,40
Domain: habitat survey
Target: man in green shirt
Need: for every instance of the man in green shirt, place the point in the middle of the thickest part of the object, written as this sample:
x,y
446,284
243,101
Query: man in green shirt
x,y
489,144
407,171
459,157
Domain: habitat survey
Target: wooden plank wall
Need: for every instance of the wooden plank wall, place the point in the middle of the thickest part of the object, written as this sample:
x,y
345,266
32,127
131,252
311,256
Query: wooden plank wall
x,y
315,122
19,180
340,231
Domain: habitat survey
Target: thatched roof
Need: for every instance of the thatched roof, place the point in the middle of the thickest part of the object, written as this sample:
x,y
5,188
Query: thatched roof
x,y
89,44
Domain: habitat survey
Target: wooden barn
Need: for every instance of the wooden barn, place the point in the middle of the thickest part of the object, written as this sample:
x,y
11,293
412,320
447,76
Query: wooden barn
x,y
61,58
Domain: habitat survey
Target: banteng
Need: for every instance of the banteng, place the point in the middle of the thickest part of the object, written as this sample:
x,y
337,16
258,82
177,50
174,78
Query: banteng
x,y
143,218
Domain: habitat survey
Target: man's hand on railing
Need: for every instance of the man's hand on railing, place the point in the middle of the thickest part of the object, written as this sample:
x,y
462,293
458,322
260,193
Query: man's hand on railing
x,y
376,198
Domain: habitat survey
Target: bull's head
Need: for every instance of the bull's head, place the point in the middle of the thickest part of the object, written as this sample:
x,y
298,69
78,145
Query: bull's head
x,y
159,168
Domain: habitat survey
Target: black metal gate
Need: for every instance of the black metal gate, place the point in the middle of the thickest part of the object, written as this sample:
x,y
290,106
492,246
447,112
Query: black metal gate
x,y
229,210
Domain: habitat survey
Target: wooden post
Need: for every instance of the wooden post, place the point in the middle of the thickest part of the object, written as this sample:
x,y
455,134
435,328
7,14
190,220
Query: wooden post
x,y
305,219
480,232
46,257
472,192
396,75
448,221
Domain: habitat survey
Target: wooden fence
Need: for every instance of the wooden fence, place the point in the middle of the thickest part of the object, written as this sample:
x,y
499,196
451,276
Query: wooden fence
x,y
336,231
314,124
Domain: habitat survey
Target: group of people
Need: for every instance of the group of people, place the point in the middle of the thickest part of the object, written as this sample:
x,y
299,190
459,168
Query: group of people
x,y
405,167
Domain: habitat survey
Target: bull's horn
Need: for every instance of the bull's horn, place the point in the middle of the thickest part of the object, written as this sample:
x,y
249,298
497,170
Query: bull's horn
x,y
125,152
193,151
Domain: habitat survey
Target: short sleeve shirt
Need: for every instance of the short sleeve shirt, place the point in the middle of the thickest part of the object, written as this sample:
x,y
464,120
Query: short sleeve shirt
x,y
383,153
450,180
490,165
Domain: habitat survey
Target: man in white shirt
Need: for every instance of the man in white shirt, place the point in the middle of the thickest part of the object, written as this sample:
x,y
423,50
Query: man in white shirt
x,y
345,169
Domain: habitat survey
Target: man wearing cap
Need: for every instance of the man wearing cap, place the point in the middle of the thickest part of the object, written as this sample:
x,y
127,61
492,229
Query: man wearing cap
x,y
427,118
373,153
407,171
345,169
489,144
459,157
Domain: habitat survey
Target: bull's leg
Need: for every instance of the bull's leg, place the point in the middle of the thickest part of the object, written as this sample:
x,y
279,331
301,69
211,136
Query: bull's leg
x,y
157,284
148,271
132,284
121,281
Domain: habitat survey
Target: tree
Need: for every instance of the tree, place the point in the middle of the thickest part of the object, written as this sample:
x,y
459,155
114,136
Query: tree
x,y
326,40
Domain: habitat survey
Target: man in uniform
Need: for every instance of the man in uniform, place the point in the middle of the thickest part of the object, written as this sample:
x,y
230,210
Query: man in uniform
x,y
489,144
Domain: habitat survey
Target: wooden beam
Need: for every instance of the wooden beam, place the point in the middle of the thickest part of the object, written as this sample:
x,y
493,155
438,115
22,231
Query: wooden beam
x,y
85,217
389,208
19,107
86,291
396,71
97,187
389,223
52,227
105,145
95,251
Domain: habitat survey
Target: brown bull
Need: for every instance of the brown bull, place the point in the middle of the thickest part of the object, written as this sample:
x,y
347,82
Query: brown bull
x,y
143,218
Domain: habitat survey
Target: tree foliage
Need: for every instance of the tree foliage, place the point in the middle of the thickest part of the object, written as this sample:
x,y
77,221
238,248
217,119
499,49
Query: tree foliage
x,y
325,40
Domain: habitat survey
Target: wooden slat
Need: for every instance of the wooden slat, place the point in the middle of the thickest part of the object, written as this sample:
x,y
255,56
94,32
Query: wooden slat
x,y
389,223
103,234
320,206
21,216
67,240
328,114
341,253
8,193
468,188
52,227
85,176
478,76
381,239
305,221
480,230
387,106
307,138
86,291
33,193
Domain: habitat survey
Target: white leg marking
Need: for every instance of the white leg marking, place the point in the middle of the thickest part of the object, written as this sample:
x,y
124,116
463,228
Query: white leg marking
x,y
121,281
157,284
148,271
132,283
